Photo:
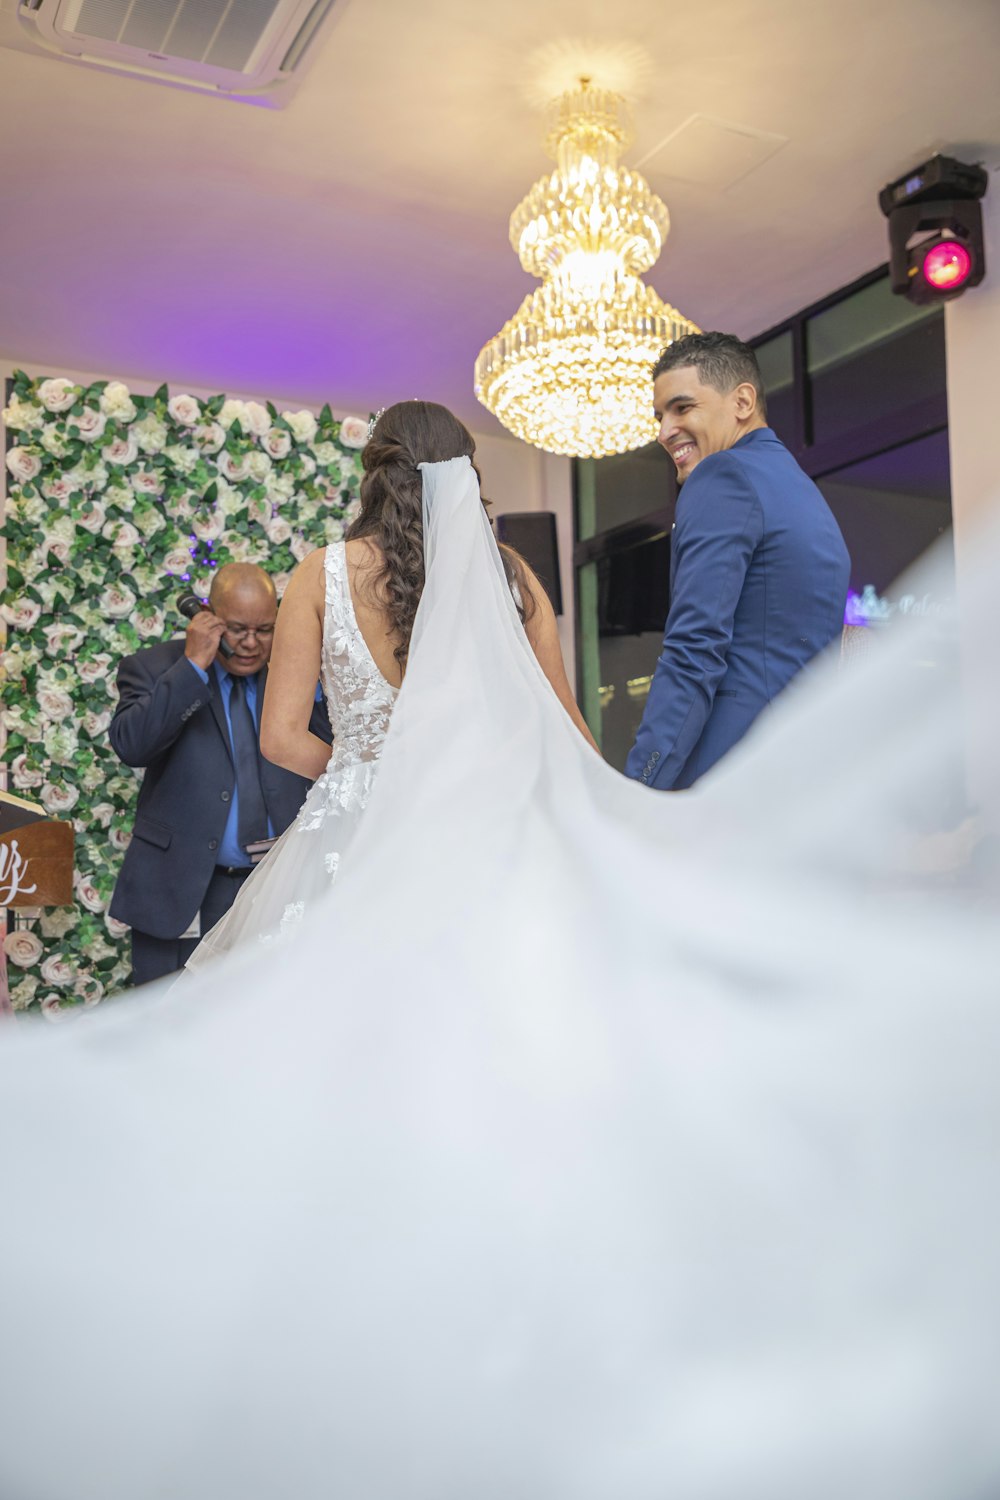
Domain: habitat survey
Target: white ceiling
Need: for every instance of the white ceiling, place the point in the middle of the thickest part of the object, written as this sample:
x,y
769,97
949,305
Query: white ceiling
x,y
353,246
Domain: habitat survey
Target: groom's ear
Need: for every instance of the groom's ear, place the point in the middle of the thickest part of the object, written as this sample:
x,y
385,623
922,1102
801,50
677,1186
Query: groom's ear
x,y
745,399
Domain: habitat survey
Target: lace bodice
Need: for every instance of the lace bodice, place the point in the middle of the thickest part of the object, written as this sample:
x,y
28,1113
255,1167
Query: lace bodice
x,y
359,699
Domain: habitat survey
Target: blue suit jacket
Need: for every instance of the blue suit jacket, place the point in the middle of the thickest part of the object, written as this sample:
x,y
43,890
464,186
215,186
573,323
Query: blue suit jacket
x,y
758,582
174,724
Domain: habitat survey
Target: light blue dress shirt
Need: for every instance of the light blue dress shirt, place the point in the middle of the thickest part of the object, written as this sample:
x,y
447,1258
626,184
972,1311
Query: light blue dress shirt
x,y
231,851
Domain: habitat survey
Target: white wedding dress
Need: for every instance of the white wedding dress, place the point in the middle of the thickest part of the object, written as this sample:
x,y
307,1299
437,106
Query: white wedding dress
x,y
582,1143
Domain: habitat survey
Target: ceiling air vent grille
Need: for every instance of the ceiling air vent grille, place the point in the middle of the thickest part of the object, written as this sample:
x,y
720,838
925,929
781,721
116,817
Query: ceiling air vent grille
x,y
242,47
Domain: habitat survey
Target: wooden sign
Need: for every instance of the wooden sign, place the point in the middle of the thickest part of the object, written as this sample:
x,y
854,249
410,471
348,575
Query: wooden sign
x,y
36,856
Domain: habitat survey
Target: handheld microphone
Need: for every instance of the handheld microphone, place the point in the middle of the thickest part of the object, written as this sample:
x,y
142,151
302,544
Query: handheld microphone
x,y
190,605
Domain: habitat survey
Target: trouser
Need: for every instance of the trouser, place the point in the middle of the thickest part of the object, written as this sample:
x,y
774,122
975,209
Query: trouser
x,y
154,958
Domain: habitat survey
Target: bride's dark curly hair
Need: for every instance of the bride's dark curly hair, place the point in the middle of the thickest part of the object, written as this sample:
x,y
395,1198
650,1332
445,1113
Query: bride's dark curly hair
x,y
405,435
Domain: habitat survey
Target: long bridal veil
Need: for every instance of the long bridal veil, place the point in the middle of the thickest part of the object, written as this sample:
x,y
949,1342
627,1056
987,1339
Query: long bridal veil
x,y
587,1142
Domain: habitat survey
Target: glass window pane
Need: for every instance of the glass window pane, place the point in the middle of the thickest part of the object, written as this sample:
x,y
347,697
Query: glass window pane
x,y
870,356
891,508
776,367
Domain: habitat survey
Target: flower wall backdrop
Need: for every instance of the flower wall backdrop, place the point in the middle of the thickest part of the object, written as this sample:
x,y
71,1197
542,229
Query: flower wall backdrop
x,y
117,502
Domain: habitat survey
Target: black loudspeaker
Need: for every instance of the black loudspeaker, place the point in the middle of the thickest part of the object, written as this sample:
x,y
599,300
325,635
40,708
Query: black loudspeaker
x,y
532,533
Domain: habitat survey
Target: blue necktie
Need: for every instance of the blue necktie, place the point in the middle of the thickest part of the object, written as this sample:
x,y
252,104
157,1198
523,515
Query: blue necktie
x,y
252,811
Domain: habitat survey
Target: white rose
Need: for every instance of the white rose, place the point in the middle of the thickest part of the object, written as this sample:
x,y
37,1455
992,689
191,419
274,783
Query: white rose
x,y
228,500
56,970
91,778
147,625
210,437
150,433
239,549
55,442
119,495
333,530
60,639
260,466
92,516
115,928
177,561
54,704
96,476
259,510
233,467
57,921
22,615
52,1009
90,424
300,547
119,839
280,487
23,992
234,411
210,528
325,453
58,799
23,948
96,725
95,669
87,893
146,483
22,775
307,465
277,443
60,743
24,465
57,394
185,410
22,416
278,531
102,813
303,424
59,491
123,451
116,402
258,419
353,432
183,459
117,601
120,533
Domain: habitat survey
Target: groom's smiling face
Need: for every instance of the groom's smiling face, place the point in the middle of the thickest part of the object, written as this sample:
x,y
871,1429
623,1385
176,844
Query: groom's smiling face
x,y
696,419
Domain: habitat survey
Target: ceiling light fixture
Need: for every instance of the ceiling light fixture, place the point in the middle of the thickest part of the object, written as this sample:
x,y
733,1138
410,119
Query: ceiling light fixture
x,y
570,372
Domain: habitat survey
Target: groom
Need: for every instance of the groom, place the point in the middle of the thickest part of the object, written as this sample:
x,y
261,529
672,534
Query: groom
x,y
758,567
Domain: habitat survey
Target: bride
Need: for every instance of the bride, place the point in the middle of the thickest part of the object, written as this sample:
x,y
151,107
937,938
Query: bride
x,y
576,1141
347,618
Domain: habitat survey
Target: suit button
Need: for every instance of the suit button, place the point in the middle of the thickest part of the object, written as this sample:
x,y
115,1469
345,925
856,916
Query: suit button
x,y
213,843
226,796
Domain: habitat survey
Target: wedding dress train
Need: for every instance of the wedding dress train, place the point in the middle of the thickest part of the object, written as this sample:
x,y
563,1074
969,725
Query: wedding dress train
x,y
583,1142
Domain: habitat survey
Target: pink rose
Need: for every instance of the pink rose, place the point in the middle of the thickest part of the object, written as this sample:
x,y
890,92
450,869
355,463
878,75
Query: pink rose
x,y
102,813
90,424
257,419
185,410
58,490
58,799
116,601
278,531
88,989
120,533
23,948
354,432
150,624
94,670
145,483
96,725
177,561
23,464
87,893
277,443
55,704
115,928
52,1009
91,518
57,394
119,838
122,451
280,581
56,970
300,547
62,638
22,615
211,529
23,776
210,437
232,467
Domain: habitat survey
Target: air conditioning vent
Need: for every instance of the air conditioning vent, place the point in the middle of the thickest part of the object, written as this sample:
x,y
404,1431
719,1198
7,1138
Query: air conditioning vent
x,y
245,48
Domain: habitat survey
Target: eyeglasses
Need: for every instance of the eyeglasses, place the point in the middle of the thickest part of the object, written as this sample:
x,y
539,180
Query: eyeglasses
x,y
240,632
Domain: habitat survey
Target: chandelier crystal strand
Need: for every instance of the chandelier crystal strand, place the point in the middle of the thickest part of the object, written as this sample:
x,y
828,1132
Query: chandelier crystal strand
x,y
569,373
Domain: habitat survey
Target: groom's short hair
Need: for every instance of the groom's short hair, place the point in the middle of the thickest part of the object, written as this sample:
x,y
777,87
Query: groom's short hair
x,y
721,359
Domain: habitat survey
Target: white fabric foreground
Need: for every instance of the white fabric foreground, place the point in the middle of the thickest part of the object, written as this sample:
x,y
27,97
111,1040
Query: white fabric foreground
x,y
589,1143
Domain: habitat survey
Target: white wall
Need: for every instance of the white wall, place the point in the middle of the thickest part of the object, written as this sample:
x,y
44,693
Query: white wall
x,y
972,342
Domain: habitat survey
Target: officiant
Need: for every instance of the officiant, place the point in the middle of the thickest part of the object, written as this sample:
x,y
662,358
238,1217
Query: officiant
x,y
189,713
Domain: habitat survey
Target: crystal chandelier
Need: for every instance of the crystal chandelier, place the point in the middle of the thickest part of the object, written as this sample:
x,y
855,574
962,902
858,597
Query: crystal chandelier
x,y
570,371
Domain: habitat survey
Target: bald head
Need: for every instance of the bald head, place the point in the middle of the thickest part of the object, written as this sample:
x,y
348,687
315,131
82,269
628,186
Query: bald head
x,y
244,597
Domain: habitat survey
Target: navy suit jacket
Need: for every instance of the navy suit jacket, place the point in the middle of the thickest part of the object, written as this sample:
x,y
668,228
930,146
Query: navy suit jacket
x,y
758,582
174,724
